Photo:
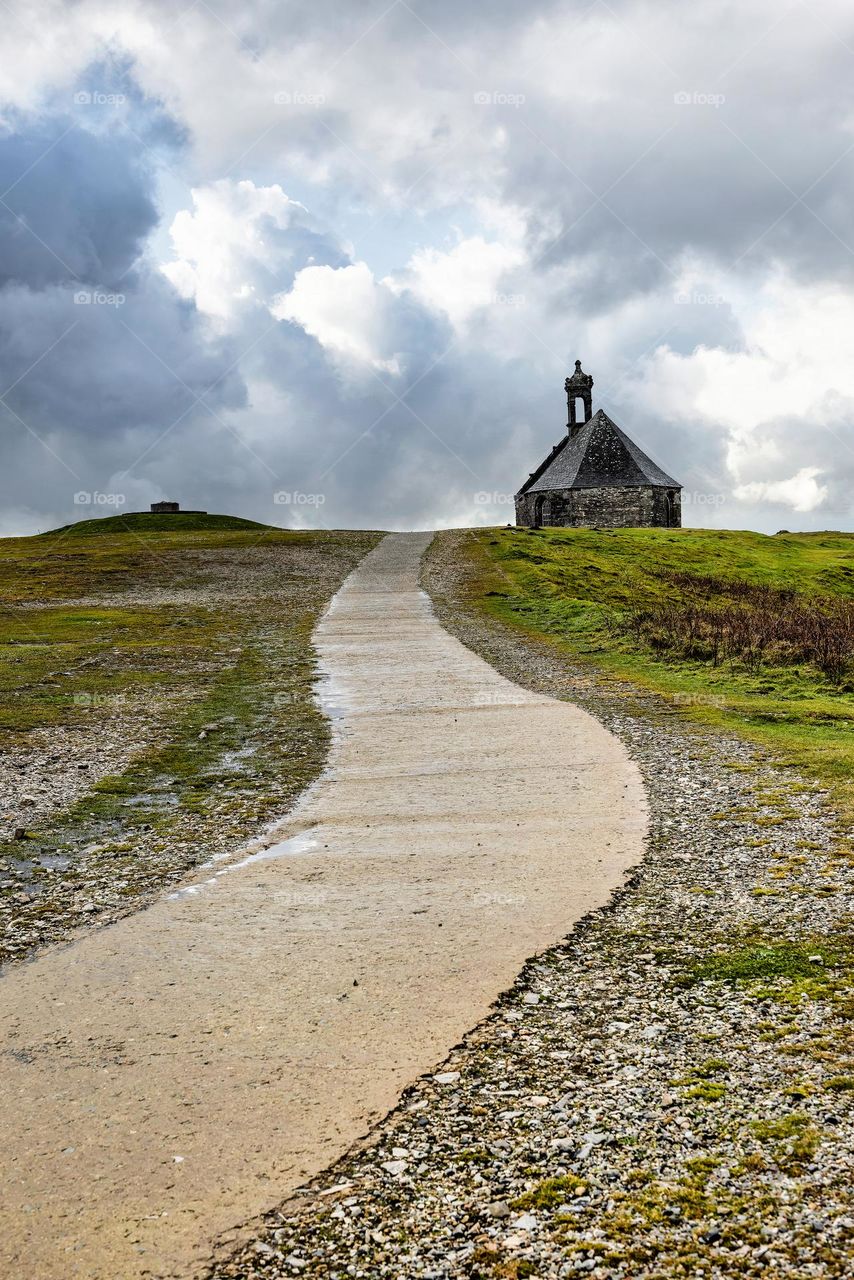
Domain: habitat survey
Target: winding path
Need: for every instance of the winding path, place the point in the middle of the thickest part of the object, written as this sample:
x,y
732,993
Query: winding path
x,y
167,1077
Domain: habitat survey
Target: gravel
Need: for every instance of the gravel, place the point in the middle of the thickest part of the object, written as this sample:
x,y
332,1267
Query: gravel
x,y
59,765
58,877
626,1111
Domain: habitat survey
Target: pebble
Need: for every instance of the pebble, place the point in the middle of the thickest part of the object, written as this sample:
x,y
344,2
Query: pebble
x,y
498,1209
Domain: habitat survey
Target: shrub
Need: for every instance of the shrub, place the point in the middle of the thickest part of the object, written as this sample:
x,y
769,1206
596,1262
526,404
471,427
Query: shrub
x,y
716,620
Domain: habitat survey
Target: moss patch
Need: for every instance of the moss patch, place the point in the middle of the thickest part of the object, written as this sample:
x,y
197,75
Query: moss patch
x,y
550,1192
768,960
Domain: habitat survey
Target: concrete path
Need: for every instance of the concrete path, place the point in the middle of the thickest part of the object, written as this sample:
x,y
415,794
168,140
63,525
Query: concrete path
x,y
166,1078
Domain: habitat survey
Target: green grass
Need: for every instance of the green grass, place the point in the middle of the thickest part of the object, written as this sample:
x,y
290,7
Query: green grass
x,y
550,1192
767,960
797,1137
707,1091
58,663
148,522
70,643
812,968
840,1084
574,588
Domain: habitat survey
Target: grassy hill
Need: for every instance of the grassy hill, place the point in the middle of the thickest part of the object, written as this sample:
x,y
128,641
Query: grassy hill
x,y
736,629
147,522
104,556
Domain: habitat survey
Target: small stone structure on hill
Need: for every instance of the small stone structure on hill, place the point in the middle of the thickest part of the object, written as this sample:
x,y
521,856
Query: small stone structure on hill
x,y
171,509
597,475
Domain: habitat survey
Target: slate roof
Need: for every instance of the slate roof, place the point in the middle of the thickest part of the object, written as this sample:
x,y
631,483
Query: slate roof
x,y
600,456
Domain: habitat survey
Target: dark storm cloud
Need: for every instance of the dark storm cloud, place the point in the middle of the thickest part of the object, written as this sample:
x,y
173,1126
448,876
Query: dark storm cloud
x,y
98,356
76,206
106,367
790,445
703,193
643,135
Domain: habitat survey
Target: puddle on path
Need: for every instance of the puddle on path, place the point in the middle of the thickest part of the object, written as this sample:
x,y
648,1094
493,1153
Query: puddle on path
x,y
292,847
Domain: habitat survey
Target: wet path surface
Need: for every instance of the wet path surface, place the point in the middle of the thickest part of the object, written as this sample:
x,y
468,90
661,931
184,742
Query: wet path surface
x,y
170,1076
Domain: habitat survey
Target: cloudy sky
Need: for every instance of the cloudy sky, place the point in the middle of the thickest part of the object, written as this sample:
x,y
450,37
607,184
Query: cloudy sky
x,y
328,263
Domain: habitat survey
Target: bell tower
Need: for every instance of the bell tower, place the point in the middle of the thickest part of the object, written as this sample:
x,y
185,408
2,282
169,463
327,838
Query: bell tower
x,y
578,387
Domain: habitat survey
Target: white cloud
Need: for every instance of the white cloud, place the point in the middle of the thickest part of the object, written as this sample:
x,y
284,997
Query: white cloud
x,y
221,244
791,367
795,342
463,280
801,492
347,311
